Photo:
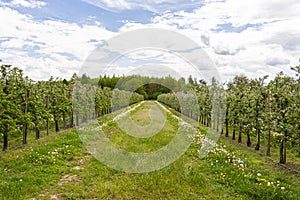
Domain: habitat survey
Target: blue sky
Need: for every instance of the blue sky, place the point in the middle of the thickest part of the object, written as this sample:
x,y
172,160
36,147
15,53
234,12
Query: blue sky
x,y
54,37
78,11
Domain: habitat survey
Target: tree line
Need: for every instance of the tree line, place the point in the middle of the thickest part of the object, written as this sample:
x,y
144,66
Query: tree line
x,y
27,105
249,108
253,110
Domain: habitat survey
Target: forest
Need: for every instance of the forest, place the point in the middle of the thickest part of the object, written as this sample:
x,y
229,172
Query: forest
x,y
255,111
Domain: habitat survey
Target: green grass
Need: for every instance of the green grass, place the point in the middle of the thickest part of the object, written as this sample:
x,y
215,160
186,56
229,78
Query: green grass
x,y
138,115
59,167
142,145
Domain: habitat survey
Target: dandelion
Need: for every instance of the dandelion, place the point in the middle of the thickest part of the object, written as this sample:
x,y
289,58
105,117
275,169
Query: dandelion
x,y
258,174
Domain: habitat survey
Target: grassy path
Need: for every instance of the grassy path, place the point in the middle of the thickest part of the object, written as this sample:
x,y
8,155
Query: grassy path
x,y
60,167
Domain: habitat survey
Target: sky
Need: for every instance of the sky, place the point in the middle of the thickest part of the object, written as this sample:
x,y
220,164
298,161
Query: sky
x,y
56,37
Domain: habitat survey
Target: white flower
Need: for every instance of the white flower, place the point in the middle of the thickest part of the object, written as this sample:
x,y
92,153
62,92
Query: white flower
x,y
21,180
283,188
258,174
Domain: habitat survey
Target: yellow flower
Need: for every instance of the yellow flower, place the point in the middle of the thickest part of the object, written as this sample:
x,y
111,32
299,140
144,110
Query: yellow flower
x,y
268,184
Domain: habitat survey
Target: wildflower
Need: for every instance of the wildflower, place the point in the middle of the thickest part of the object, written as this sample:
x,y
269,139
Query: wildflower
x,y
21,180
268,184
258,174
283,188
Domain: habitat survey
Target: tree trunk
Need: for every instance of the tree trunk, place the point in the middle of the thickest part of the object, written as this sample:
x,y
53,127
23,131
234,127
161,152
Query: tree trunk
x,y
299,139
56,125
233,131
37,133
64,120
72,120
47,120
47,126
282,152
269,143
5,141
77,120
257,147
269,127
227,127
240,133
25,133
257,128
248,140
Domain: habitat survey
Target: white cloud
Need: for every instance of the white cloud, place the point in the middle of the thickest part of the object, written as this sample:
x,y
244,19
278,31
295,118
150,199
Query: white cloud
x,y
254,37
110,4
157,6
24,3
45,48
268,39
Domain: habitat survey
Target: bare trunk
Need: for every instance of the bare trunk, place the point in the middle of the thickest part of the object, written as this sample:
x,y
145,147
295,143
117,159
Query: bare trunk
x,y
257,147
5,141
56,125
25,134
77,120
65,121
37,133
257,128
299,139
269,127
25,131
233,131
248,139
72,119
227,127
269,143
282,152
240,133
47,120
